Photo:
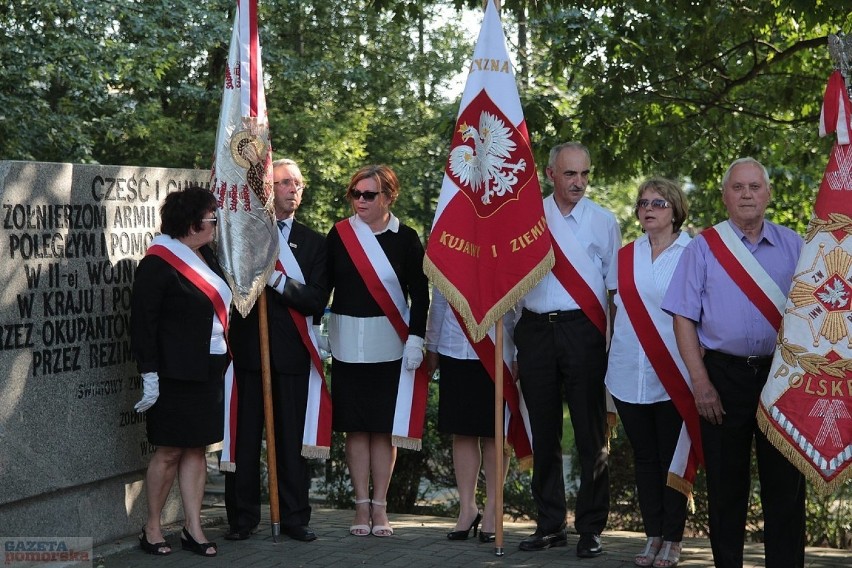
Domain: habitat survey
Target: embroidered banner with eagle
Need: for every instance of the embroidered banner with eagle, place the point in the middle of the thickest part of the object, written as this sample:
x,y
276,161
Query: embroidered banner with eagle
x,y
806,406
489,243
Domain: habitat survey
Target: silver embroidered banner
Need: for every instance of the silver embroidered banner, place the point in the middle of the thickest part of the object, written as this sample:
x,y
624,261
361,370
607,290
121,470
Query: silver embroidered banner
x,y
242,170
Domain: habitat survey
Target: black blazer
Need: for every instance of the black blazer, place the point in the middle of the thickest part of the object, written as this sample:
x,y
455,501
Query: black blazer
x,y
171,320
286,352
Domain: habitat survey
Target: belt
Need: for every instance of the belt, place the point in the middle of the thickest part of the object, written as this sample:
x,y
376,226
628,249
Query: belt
x,y
553,317
753,361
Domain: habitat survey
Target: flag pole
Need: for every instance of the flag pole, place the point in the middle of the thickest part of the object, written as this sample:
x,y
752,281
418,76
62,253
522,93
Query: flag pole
x,y
498,436
266,377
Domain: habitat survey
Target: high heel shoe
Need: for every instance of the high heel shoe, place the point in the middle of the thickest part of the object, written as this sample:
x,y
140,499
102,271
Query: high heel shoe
x,y
486,537
464,535
379,530
155,548
199,548
360,530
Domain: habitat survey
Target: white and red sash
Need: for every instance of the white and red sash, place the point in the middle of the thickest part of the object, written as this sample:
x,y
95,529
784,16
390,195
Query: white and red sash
x,y
316,438
516,425
381,280
574,269
653,329
190,266
746,272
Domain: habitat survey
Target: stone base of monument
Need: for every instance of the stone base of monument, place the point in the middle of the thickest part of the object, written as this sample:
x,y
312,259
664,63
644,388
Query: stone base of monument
x,y
106,510
74,450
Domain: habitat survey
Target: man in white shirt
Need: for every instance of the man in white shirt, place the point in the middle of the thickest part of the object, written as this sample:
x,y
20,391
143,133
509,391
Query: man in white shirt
x,y
561,342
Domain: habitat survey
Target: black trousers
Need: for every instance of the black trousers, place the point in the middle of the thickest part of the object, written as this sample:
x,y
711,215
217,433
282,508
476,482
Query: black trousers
x,y
242,487
565,359
727,453
653,431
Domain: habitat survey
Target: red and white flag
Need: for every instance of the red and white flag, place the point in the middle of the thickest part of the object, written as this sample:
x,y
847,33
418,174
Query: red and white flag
x,y
489,243
242,168
241,180
806,405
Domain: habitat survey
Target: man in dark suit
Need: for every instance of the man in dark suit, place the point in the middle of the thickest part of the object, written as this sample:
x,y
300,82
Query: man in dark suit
x,y
290,368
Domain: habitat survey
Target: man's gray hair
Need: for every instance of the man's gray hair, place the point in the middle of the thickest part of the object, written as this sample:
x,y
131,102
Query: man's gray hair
x,y
564,146
747,160
291,163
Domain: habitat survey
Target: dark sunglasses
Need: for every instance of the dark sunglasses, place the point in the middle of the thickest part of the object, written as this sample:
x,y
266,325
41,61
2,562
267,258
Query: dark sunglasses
x,y
654,203
367,195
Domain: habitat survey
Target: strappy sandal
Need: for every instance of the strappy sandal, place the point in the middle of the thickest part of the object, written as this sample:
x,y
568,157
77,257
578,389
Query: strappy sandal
x,y
155,548
360,530
380,530
652,547
199,548
669,555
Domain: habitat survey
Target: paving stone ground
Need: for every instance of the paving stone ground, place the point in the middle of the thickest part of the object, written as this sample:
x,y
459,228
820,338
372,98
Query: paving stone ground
x,y
419,542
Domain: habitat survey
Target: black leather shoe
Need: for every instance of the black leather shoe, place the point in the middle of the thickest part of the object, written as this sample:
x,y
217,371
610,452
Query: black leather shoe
x,y
487,536
589,545
305,534
239,534
541,541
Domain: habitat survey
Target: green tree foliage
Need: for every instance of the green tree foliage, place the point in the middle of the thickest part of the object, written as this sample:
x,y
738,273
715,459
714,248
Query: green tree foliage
x,y
677,88
128,82
351,85
682,88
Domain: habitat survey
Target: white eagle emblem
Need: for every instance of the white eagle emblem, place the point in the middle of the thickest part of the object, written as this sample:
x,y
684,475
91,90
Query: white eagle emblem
x,y
835,294
485,165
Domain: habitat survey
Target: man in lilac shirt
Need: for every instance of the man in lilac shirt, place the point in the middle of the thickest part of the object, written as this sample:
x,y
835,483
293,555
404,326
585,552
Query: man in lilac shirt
x,y
727,344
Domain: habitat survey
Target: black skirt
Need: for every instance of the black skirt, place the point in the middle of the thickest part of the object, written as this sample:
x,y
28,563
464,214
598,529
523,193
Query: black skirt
x,y
466,403
189,414
363,396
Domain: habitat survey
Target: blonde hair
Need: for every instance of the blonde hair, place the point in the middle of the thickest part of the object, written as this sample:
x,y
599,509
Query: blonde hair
x,y
672,193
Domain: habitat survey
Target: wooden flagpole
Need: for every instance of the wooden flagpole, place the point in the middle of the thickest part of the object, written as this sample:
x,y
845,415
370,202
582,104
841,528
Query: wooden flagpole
x,y
269,421
498,413
498,436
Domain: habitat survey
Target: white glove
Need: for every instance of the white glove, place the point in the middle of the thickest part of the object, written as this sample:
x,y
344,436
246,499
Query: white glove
x,y
322,340
412,355
277,277
150,391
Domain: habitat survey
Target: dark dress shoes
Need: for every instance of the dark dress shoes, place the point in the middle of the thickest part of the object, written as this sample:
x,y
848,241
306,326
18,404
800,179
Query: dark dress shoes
x,y
540,540
589,545
303,533
238,534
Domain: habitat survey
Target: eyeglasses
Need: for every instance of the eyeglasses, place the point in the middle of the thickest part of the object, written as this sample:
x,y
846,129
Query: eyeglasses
x,y
213,220
287,182
367,195
653,203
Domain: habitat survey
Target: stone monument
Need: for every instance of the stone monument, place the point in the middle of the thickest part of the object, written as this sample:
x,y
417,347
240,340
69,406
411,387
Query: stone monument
x,y
74,450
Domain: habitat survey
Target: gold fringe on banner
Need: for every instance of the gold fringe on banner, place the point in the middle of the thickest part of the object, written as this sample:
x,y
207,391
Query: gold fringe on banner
x,y
525,464
611,428
456,299
679,484
406,443
244,304
316,452
811,473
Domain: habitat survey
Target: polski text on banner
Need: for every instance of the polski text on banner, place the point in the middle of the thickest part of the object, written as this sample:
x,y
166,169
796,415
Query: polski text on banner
x,y
806,405
242,170
489,243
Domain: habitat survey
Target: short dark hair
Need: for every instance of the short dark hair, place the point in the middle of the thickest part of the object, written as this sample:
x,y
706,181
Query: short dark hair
x,y
184,210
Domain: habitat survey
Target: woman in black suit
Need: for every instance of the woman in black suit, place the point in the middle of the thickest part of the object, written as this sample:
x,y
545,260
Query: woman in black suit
x,y
179,321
